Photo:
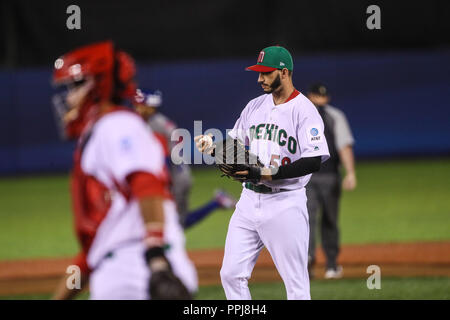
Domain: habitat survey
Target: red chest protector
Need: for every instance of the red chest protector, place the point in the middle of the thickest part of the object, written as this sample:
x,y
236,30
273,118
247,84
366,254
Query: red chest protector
x,y
91,201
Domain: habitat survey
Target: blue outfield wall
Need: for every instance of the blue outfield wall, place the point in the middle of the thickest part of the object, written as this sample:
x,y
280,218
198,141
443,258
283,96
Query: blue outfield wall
x,y
397,103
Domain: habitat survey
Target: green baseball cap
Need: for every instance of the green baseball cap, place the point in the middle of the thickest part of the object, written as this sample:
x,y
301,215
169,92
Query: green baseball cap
x,y
272,58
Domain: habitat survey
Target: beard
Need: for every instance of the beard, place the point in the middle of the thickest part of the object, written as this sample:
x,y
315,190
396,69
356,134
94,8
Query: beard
x,y
274,85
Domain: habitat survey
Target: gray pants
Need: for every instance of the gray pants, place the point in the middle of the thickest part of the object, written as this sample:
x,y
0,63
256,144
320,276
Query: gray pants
x,y
181,187
323,192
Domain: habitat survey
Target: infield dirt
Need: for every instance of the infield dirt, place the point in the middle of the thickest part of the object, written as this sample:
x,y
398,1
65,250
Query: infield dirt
x,y
396,260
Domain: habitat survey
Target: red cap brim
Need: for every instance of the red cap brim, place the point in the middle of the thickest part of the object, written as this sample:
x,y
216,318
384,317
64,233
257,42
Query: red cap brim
x,y
260,68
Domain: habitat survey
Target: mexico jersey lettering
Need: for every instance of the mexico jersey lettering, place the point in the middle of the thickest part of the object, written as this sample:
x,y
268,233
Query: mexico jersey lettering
x,y
281,134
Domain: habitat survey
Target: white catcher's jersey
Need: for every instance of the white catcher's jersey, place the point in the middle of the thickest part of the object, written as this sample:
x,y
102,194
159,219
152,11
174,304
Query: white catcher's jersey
x,y
120,144
281,134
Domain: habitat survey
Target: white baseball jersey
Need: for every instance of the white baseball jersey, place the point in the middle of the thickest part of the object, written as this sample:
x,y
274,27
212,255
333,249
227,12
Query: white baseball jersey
x,y
120,143
281,134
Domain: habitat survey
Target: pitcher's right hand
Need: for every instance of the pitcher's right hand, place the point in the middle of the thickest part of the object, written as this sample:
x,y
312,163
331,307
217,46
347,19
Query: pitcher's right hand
x,y
204,143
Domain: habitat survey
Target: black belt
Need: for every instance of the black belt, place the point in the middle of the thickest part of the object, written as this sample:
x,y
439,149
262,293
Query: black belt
x,y
260,188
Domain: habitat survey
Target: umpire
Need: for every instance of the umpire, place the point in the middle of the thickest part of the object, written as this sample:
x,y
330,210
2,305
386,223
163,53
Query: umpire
x,y
324,189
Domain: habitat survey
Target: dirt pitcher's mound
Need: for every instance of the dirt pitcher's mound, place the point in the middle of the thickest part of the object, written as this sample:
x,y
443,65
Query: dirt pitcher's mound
x,y
406,259
397,260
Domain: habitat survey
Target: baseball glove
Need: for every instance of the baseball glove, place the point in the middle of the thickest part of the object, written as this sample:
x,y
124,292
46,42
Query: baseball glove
x,y
231,157
164,285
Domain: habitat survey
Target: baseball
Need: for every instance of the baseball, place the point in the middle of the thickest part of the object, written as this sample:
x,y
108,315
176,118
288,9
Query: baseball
x,y
206,141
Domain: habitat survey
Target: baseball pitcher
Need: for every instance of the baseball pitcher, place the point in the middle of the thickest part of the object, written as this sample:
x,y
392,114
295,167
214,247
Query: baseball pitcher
x,y
285,132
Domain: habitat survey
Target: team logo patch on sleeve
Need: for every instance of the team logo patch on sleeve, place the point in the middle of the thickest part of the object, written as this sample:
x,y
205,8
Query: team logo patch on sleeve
x,y
314,135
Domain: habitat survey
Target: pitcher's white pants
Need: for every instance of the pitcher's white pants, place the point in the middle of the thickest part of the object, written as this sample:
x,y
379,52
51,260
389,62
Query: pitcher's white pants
x,y
280,223
125,275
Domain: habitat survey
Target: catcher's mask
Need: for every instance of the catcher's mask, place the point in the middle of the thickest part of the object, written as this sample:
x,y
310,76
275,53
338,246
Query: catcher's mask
x,y
85,77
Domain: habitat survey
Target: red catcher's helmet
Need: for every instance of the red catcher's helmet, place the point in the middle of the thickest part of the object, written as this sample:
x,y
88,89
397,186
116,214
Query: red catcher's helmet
x,y
112,73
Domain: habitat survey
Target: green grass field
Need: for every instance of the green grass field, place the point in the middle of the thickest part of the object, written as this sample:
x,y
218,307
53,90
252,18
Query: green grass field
x,y
346,289
396,201
351,289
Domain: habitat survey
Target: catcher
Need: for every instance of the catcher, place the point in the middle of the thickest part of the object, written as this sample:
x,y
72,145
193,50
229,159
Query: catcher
x,y
117,183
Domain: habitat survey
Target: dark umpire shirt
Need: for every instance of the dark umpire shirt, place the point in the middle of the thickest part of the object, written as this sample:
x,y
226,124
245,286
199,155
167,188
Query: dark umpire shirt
x,y
338,135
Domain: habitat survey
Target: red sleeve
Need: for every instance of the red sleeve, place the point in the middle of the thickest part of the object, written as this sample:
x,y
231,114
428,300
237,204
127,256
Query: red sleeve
x,y
81,262
144,184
